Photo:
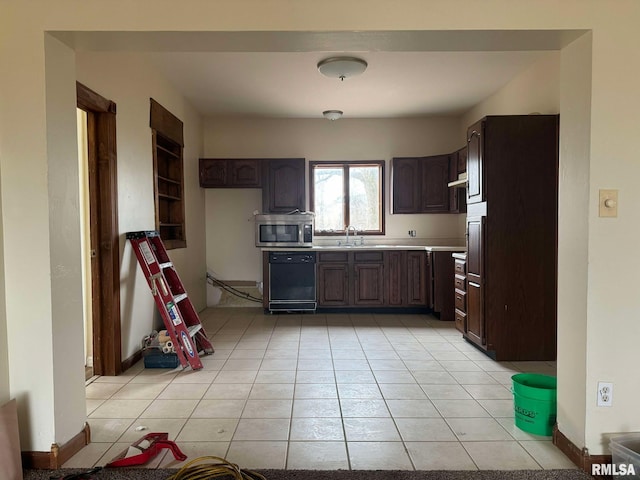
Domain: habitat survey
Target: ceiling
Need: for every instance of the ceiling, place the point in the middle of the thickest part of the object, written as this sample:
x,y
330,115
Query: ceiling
x,y
274,74
395,84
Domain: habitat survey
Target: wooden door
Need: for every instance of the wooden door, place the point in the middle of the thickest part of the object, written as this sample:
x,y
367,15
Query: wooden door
x,y
368,284
333,283
105,242
405,187
475,180
435,191
417,288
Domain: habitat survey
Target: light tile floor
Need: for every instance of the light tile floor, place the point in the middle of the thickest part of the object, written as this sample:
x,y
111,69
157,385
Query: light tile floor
x,y
314,391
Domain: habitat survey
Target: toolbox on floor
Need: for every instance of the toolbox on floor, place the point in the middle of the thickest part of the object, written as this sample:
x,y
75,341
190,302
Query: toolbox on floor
x,y
154,358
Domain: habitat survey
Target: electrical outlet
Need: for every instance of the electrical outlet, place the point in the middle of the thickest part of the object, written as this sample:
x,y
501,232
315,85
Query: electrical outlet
x,y
605,394
412,233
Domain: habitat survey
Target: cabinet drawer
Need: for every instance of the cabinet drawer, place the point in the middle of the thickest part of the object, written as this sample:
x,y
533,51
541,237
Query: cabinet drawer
x,y
332,257
368,257
459,282
460,267
461,301
460,319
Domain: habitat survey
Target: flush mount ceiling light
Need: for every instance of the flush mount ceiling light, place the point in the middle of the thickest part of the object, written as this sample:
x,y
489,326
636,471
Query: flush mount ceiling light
x,y
332,114
342,67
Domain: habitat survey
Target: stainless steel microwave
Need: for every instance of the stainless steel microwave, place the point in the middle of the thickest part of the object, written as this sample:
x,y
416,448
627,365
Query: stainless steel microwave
x,y
284,230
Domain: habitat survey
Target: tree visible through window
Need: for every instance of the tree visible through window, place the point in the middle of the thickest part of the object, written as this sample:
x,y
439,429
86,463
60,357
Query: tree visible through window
x,y
347,194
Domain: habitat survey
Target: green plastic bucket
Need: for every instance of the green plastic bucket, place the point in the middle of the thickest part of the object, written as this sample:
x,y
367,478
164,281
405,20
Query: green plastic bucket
x,y
534,401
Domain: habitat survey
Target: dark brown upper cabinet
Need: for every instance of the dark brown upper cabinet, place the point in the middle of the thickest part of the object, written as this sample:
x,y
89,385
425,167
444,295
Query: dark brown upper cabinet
x,y
462,160
405,185
435,179
458,194
231,173
419,184
475,180
283,185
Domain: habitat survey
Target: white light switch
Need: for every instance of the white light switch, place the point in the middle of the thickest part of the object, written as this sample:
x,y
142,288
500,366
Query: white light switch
x,y
608,203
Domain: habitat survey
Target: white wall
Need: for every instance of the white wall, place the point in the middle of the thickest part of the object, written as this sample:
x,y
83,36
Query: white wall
x,y
130,81
4,353
573,244
536,90
64,228
231,251
613,310
25,216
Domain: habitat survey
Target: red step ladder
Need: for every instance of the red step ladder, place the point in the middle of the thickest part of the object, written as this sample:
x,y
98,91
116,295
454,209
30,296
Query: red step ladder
x,y
180,318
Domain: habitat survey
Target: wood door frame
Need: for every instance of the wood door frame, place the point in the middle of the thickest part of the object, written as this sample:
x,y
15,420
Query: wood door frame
x,y
103,198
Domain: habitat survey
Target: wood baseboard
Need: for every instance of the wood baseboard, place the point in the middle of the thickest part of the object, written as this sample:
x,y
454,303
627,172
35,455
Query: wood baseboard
x,y
579,456
59,454
131,361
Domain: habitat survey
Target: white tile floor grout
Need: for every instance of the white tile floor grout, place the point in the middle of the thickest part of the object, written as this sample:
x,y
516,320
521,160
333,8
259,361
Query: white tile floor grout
x,y
314,391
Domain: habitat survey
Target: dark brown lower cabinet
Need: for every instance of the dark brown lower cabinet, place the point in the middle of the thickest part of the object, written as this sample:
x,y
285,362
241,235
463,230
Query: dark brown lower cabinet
x,y
460,290
406,274
381,279
440,274
475,314
333,284
370,279
368,284
367,273
395,267
417,289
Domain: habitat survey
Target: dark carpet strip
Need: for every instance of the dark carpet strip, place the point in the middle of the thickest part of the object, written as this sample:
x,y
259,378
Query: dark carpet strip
x,y
163,474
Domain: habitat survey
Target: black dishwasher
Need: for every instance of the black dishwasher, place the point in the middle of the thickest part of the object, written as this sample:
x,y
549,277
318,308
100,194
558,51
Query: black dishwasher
x,y
292,281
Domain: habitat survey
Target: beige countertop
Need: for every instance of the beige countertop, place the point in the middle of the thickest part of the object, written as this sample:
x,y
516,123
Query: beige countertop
x,y
323,248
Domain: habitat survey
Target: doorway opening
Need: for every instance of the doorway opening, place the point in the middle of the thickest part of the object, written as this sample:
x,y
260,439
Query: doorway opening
x,y
102,260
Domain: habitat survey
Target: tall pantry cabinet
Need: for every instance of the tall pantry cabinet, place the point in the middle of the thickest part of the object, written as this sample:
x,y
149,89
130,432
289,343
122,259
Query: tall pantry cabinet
x,y
512,224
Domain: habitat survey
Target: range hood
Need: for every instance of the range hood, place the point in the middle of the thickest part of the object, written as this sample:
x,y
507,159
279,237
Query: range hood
x,y
460,182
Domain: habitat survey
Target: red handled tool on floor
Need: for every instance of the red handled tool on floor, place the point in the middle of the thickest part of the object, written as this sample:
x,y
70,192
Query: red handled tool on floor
x,y
148,446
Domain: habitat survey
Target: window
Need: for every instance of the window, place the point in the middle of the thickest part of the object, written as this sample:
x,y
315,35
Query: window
x,y
347,194
168,174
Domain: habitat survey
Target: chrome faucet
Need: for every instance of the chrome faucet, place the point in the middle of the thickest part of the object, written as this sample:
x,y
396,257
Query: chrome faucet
x,y
355,232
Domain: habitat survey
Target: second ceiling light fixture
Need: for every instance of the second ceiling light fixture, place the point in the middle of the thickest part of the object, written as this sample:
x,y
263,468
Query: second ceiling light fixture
x,y
340,67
